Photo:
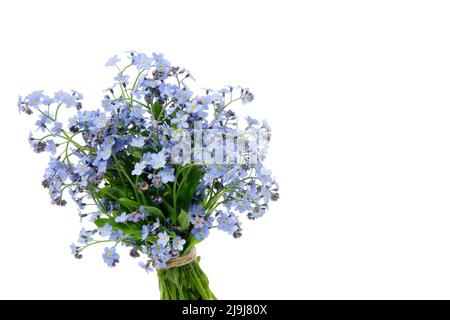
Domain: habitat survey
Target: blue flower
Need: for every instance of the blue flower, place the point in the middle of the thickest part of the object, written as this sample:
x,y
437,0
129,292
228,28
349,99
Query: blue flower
x,y
85,236
73,121
226,223
108,104
82,169
102,166
231,175
122,218
198,221
114,60
178,243
201,233
73,249
57,97
138,168
162,65
134,216
35,99
251,121
183,96
144,212
193,106
142,61
155,225
146,266
110,257
196,210
42,122
108,142
147,158
50,146
157,250
117,235
69,100
152,83
160,264
168,90
138,142
163,238
167,175
137,111
105,231
145,249
123,79
104,154
20,104
57,128
46,100
157,160
180,120
145,232
100,121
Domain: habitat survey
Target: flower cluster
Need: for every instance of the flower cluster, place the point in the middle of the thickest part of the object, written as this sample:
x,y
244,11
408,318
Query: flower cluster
x,y
158,166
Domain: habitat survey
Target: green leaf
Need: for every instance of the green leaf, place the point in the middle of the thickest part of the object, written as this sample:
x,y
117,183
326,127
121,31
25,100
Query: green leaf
x,y
156,108
155,212
188,188
132,229
133,205
102,221
183,220
137,155
170,210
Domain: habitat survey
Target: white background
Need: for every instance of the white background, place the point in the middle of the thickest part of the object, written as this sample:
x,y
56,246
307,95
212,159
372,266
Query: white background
x,y
358,96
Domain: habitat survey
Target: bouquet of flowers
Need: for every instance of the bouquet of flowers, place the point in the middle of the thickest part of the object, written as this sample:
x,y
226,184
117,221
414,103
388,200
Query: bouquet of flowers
x,y
156,169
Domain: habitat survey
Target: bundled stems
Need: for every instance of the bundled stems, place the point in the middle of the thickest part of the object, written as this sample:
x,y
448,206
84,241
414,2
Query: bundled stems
x,y
187,282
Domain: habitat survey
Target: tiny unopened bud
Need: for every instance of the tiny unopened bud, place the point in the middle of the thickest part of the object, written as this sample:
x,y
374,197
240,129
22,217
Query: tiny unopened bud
x,y
143,186
237,234
157,199
274,196
134,253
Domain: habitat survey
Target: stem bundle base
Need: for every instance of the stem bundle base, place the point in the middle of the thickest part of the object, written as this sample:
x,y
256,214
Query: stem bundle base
x,y
187,282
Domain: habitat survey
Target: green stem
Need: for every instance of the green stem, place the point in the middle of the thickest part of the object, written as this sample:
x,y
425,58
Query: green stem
x,y
57,110
223,108
93,243
187,282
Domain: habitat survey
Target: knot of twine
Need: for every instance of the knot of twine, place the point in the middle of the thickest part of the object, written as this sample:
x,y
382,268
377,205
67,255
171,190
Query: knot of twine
x,y
183,260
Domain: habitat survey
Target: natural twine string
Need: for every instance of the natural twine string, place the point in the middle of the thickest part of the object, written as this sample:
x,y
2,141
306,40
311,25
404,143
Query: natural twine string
x,y
183,260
